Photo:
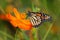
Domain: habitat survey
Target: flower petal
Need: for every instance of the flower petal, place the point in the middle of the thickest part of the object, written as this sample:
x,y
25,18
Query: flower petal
x,y
17,14
21,25
3,17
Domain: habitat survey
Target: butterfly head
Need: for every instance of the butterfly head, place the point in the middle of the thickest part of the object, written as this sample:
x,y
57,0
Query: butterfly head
x,y
46,17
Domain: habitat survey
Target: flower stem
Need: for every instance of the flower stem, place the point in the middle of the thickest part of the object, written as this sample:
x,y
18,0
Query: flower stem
x,y
45,36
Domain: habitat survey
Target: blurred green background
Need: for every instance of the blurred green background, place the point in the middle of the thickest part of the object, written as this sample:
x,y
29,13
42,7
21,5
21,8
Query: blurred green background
x,y
46,31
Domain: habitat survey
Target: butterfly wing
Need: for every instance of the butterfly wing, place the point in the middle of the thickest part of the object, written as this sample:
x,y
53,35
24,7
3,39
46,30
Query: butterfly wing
x,y
35,19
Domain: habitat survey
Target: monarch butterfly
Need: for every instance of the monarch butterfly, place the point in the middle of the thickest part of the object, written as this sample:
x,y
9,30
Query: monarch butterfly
x,y
37,18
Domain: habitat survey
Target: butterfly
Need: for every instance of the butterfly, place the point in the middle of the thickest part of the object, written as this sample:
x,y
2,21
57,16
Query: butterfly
x,y
37,18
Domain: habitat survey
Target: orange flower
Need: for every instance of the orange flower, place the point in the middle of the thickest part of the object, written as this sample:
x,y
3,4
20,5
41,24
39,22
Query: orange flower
x,y
19,20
